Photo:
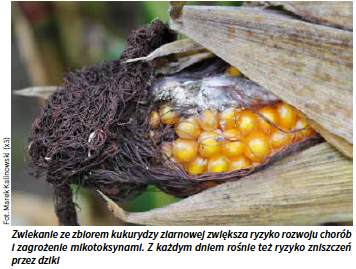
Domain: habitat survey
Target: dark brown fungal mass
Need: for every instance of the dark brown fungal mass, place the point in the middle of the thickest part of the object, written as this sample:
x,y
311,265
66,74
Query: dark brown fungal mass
x,y
95,132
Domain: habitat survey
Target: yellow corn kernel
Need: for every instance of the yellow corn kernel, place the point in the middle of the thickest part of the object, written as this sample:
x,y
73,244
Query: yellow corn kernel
x,y
271,114
219,163
247,122
198,166
233,71
232,135
233,149
168,115
227,119
209,134
239,162
154,119
188,128
280,139
257,146
287,116
208,120
209,147
306,132
185,150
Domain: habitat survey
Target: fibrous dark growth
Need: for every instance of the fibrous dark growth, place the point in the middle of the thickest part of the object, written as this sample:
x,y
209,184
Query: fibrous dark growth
x,y
95,132
99,114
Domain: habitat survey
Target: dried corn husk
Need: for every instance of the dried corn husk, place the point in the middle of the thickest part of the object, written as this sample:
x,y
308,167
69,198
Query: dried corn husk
x,y
183,61
40,91
339,143
332,13
186,53
179,46
307,65
308,188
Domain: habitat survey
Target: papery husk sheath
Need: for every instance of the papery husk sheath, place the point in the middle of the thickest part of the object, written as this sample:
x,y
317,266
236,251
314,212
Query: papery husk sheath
x,y
294,191
307,65
332,13
339,143
178,46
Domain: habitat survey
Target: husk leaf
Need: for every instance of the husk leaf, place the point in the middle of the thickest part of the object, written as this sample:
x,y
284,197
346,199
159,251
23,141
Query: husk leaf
x,y
339,143
183,61
40,91
333,13
178,46
307,65
309,188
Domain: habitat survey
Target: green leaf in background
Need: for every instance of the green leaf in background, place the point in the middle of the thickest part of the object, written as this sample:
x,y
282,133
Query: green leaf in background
x,y
159,9
152,198
155,9
228,3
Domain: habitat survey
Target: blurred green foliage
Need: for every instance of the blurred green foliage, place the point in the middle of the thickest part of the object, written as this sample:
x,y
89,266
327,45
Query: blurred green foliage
x,y
154,9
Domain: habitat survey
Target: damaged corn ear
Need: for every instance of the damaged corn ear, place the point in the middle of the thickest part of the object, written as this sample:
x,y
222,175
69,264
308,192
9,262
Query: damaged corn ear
x,y
231,139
